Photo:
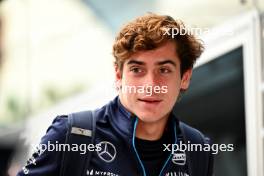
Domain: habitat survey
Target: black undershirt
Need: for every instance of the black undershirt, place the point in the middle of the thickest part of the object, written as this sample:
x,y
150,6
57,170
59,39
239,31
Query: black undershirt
x,y
151,153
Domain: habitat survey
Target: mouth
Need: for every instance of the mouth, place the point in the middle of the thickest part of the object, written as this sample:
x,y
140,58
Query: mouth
x,y
150,100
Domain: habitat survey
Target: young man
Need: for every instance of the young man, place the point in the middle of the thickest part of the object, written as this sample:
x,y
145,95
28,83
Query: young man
x,y
134,133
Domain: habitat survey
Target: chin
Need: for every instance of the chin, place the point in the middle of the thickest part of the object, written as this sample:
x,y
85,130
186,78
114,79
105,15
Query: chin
x,y
149,117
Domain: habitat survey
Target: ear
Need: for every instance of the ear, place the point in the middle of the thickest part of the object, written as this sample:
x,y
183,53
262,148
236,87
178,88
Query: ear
x,y
186,79
118,76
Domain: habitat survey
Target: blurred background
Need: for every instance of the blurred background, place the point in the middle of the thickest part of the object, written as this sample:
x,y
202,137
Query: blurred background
x,y
55,58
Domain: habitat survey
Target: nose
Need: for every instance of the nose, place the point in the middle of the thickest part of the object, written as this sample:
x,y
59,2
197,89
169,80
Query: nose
x,y
151,79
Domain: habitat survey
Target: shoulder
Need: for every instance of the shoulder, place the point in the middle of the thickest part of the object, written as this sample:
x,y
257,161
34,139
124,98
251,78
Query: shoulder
x,y
192,134
57,130
45,160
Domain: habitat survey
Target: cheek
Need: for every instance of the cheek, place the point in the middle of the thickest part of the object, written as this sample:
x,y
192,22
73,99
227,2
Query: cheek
x,y
174,86
128,90
128,80
173,93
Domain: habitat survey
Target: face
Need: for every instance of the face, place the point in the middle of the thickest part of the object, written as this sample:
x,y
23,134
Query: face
x,y
151,82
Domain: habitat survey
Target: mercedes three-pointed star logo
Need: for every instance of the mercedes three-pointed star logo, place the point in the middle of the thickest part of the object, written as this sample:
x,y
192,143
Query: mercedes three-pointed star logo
x,y
108,152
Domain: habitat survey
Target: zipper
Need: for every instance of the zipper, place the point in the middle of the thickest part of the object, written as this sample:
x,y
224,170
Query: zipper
x,y
140,161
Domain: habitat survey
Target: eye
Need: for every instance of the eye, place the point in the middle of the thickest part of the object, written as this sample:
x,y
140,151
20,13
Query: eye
x,y
165,70
136,70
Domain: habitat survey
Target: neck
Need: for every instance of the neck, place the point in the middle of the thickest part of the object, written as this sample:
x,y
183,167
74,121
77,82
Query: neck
x,y
151,130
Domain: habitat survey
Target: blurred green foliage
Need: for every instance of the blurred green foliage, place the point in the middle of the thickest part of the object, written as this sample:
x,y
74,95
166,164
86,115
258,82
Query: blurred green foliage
x,y
17,108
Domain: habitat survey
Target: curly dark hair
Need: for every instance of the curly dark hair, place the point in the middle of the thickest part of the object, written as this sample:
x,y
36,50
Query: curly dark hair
x,y
151,31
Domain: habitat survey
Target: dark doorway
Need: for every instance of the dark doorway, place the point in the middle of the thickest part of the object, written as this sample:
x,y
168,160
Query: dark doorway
x,y
214,104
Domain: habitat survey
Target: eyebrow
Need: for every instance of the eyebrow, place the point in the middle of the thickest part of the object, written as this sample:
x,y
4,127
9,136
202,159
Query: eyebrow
x,y
167,62
132,61
135,62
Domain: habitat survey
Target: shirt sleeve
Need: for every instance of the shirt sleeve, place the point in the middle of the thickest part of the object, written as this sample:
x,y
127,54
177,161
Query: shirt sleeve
x,y
46,159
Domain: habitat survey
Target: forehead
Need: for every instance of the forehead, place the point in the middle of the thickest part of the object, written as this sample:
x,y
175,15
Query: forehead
x,y
164,52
